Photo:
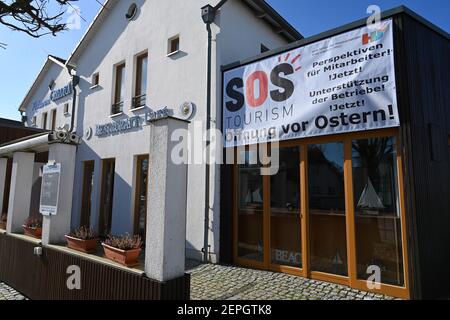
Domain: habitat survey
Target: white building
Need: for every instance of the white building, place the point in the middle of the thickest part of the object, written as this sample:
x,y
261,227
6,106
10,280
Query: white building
x,y
138,57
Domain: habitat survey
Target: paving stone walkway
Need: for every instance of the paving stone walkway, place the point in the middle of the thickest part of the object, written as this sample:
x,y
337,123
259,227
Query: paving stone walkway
x,y
216,282
8,293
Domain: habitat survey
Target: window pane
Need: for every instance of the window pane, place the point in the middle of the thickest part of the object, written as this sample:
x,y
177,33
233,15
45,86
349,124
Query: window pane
x,y
285,223
143,76
44,121
174,45
250,210
377,213
328,242
87,195
107,196
141,205
120,88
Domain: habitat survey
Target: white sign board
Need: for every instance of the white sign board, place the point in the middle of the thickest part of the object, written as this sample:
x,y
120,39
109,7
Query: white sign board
x,y
51,175
341,84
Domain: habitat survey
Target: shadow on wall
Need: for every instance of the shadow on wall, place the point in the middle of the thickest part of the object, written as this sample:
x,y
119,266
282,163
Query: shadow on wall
x,y
36,198
40,161
93,57
193,253
122,218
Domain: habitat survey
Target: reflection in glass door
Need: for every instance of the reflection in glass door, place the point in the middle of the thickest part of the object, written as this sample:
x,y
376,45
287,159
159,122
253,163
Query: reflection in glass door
x,y
250,232
285,222
327,217
140,213
377,210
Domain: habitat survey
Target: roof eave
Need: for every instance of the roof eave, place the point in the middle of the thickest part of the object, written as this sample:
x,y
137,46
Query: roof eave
x,y
275,19
326,34
105,7
50,59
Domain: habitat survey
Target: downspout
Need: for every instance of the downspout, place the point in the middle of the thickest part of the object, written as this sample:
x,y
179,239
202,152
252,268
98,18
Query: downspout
x,y
75,82
208,16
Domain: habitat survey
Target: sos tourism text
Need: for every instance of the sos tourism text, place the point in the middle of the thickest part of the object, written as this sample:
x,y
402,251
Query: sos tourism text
x,y
248,125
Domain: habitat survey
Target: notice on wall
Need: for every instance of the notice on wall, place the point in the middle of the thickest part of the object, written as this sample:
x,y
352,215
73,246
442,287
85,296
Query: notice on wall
x,y
341,84
51,174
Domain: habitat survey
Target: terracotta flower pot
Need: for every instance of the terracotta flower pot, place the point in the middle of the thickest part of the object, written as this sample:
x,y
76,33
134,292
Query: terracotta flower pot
x,y
33,232
128,258
3,225
86,246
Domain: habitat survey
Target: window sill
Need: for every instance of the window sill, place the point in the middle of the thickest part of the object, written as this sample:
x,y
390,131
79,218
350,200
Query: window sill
x,y
66,114
138,109
116,115
173,53
94,87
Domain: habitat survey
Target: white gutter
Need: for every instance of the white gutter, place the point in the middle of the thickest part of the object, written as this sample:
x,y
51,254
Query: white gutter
x,y
25,145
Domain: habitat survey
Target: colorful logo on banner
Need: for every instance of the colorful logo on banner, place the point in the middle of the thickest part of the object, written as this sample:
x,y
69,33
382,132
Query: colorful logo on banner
x,y
340,84
375,35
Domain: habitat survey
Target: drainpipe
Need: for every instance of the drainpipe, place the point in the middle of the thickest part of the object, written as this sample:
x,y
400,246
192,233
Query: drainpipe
x,y
75,82
208,16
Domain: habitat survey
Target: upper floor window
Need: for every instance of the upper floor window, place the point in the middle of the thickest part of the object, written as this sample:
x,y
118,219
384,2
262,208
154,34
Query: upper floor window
x,y
264,48
119,89
66,108
95,80
174,45
139,98
33,122
44,120
53,127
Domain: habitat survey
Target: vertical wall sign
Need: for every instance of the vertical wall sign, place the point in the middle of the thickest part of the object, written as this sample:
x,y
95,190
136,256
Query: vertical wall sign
x,y
50,189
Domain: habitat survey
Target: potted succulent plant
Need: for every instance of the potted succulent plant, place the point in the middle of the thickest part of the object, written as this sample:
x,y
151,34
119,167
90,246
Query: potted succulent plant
x,y
3,219
33,227
83,239
123,249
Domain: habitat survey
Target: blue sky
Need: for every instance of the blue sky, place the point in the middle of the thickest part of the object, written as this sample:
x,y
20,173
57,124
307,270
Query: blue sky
x,y
24,56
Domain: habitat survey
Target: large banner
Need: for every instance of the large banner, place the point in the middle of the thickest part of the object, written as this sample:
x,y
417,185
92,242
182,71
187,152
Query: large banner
x,y
342,84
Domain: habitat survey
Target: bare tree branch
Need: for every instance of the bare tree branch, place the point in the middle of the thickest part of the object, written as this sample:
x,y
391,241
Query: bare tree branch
x,y
34,17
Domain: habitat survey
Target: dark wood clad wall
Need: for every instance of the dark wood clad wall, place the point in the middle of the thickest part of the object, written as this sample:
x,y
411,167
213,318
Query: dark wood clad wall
x,y
45,277
13,133
423,77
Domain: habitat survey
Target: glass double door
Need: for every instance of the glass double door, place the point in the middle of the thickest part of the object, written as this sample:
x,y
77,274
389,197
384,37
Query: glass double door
x,y
283,226
284,222
332,211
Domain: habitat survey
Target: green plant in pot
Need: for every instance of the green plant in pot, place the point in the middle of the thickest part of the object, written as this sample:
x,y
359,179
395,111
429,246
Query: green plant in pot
x,y
33,227
83,239
3,220
123,249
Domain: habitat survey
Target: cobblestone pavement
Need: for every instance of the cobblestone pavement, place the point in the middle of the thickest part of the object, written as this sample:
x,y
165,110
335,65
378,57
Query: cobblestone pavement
x,y
216,282
8,293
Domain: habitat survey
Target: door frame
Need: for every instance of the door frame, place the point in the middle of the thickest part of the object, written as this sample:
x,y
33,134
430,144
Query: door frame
x,y
86,164
350,280
138,190
101,216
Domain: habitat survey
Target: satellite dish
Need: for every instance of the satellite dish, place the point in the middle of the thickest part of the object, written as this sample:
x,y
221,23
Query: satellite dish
x,y
187,110
131,13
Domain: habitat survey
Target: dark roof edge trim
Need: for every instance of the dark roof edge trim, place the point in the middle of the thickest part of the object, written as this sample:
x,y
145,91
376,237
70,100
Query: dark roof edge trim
x,y
333,32
40,134
284,24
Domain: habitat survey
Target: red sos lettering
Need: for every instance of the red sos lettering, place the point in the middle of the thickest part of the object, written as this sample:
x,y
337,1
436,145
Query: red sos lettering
x,y
257,88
